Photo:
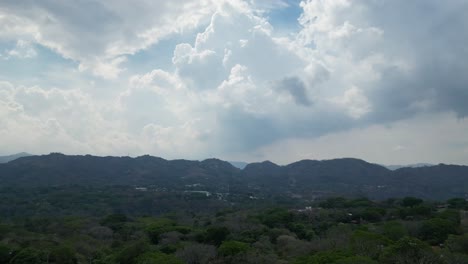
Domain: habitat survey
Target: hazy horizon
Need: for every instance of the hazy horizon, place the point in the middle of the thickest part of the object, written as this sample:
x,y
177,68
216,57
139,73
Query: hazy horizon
x,y
235,163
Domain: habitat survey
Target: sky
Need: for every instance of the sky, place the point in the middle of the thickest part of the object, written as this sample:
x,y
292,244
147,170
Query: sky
x,y
241,80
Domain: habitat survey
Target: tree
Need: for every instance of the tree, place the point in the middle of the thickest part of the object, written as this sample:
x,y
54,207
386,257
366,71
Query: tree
x,y
131,252
302,231
277,217
29,256
411,201
454,258
114,221
63,255
458,244
409,251
457,203
368,244
157,258
450,214
5,253
334,202
436,230
158,227
360,202
289,246
4,229
356,260
216,235
197,254
420,210
231,248
324,257
394,230
373,214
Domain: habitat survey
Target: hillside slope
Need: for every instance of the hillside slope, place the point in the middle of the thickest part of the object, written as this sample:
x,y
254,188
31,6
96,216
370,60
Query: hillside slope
x,y
306,178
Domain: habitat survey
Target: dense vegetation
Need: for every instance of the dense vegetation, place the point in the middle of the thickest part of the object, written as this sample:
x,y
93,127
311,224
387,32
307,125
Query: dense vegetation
x,y
120,224
84,209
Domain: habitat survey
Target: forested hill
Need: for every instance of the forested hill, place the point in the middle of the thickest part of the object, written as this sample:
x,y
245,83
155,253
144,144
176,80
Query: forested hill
x,y
307,178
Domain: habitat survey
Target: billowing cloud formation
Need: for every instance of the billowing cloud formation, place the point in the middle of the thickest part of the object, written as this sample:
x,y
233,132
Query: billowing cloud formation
x,y
235,86
99,34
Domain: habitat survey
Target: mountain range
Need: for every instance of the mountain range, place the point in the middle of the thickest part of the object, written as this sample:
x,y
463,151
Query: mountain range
x,y
415,165
307,178
5,159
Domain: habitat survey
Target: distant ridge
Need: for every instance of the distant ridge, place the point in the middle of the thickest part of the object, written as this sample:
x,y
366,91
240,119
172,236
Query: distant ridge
x,y
305,178
416,165
5,159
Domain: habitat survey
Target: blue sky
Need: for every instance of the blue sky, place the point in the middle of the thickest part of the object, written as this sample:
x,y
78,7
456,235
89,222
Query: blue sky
x,y
248,80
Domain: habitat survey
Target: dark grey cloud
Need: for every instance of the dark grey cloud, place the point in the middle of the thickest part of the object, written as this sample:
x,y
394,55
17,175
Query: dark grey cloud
x,y
244,131
296,88
431,35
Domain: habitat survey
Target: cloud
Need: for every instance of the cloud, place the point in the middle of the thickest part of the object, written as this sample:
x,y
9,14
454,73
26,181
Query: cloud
x,y
109,69
296,88
354,102
239,90
38,119
97,34
338,72
270,4
22,50
42,120
403,66
233,83
409,141
173,140
200,69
